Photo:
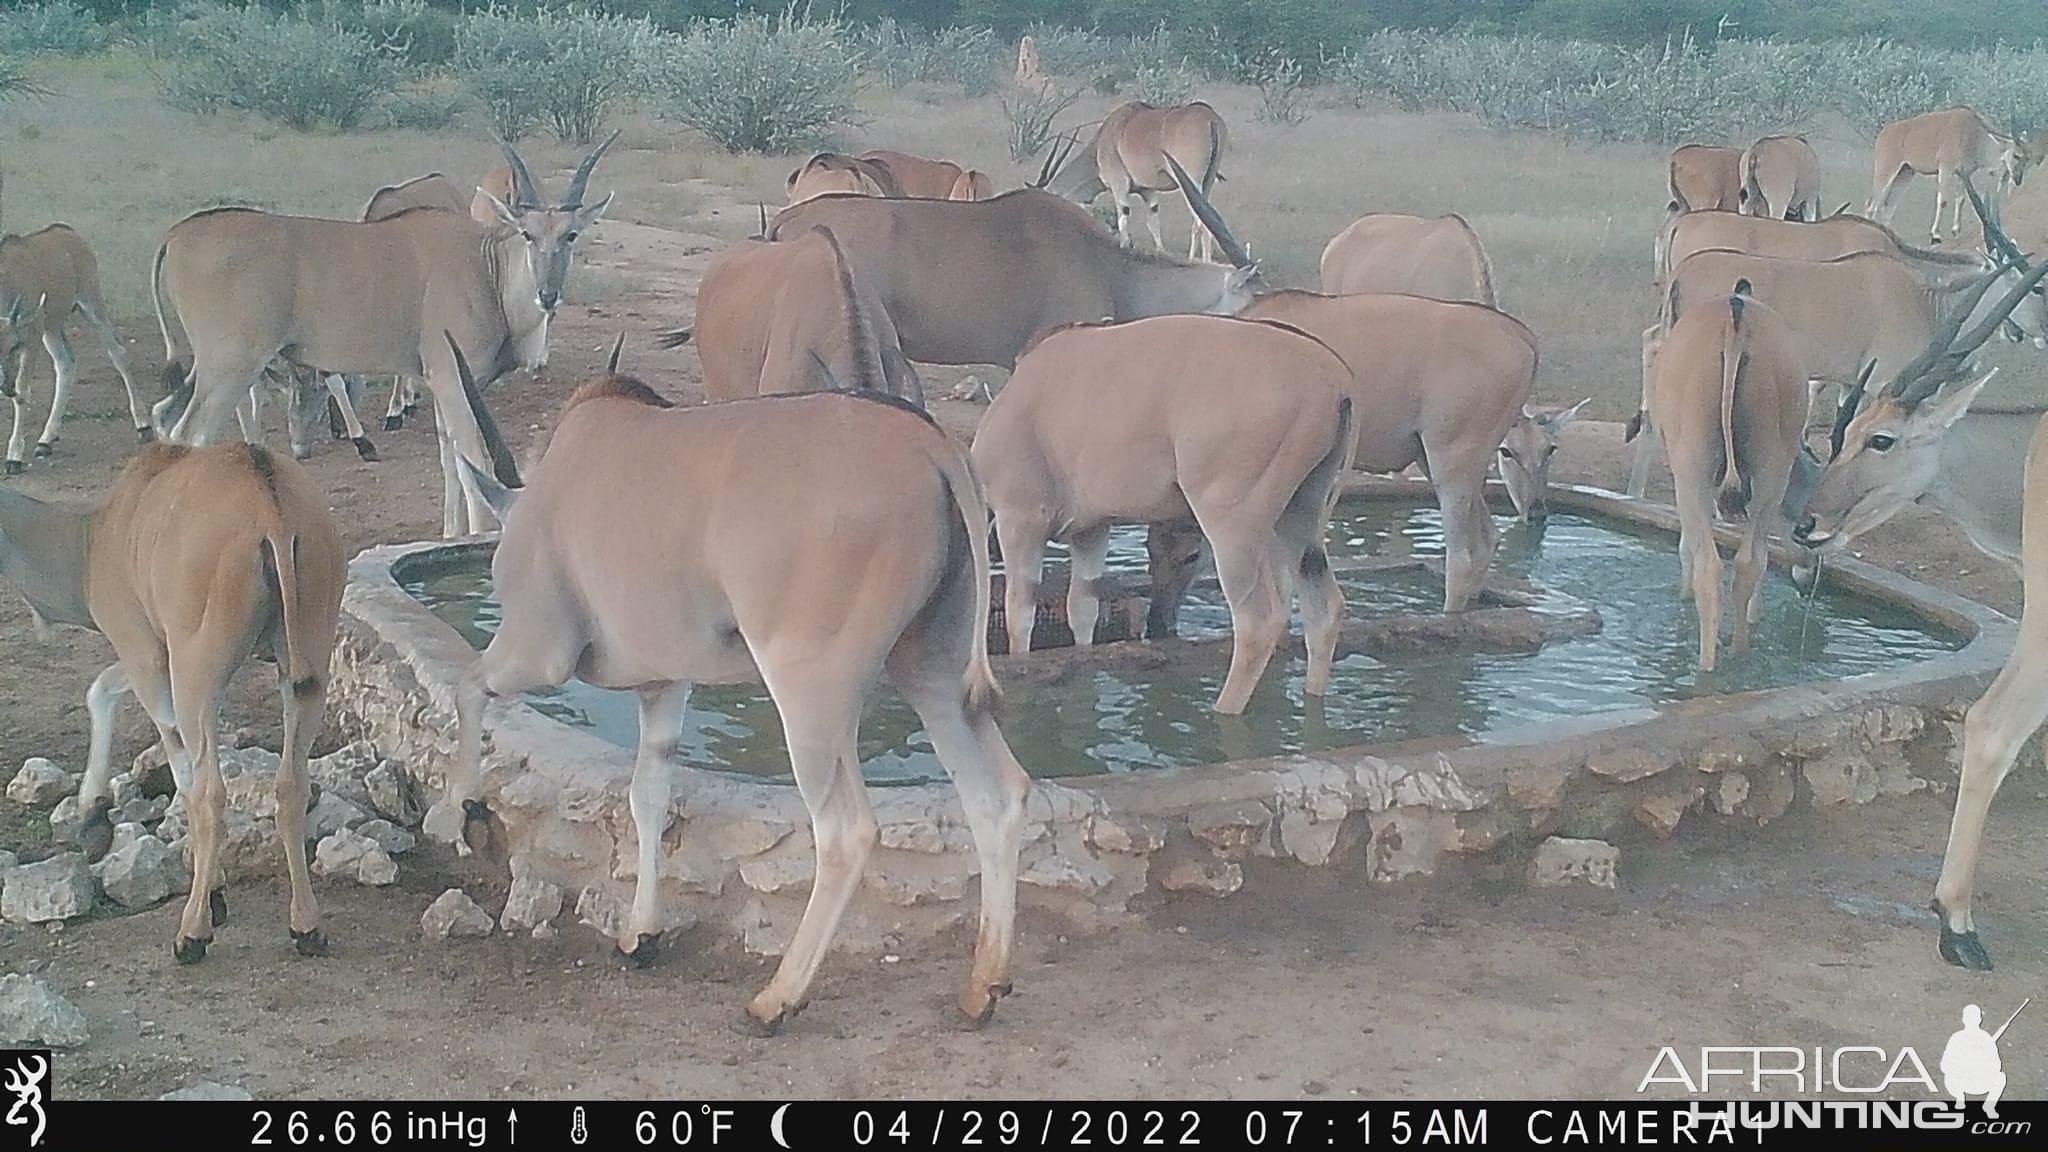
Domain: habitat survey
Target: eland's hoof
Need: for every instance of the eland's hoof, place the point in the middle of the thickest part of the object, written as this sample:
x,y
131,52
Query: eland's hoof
x,y
365,449
313,943
1964,950
393,423
645,952
978,1007
752,1025
144,435
16,467
189,951
44,451
217,904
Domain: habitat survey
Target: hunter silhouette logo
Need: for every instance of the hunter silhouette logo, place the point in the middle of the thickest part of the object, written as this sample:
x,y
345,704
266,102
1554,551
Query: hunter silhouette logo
x,y
1970,1064
28,1094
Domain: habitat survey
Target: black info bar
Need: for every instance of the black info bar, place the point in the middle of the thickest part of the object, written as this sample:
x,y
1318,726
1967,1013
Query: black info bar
x,y
336,1125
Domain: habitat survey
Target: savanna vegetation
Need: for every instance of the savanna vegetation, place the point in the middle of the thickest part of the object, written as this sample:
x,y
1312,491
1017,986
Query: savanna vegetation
x,y
1545,123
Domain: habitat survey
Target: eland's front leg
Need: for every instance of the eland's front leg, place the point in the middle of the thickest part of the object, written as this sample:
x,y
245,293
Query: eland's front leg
x,y
661,726
1994,731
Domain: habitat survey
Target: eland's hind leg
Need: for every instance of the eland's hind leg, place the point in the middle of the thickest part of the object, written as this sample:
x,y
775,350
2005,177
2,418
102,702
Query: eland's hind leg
x,y
1703,556
1023,548
58,346
820,720
992,787
305,711
17,442
1994,730
661,727
198,679
1088,550
1258,618
95,314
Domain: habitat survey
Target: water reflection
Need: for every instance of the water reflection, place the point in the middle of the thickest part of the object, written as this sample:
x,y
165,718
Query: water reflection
x,y
1093,722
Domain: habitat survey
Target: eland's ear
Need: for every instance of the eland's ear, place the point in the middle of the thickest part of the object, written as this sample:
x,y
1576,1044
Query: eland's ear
x,y
591,213
1565,417
502,210
498,496
1950,408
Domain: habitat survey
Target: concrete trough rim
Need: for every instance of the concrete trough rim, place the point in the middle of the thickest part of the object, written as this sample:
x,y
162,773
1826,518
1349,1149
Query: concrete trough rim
x,y
435,653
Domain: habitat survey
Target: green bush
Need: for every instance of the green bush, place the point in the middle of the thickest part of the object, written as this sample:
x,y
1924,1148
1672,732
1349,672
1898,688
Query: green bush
x,y
298,71
971,59
563,67
58,28
762,84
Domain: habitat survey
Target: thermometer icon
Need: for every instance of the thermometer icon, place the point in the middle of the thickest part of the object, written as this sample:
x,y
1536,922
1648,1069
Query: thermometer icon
x,y
578,1132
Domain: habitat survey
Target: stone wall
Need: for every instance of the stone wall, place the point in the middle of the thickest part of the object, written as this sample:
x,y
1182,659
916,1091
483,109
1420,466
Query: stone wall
x,y
738,854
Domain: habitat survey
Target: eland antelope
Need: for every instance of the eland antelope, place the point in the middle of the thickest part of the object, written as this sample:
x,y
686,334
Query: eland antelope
x,y
1847,312
342,298
195,560
1704,176
1952,146
816,543
931,179
971,282
1728,397
1824,239
1133,154
1919,437
1435,383
1439,257
827,173
1244,427
46,276
1780,179
792,316
551,230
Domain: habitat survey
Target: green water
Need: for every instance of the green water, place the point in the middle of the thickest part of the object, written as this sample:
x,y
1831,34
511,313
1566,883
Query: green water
x,y
1125,722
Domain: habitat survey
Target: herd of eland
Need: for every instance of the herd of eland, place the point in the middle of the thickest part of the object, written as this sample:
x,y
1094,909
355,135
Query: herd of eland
x,y
811,526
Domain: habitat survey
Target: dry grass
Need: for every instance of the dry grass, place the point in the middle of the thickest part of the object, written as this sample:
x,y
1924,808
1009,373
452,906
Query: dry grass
x,y
1568,227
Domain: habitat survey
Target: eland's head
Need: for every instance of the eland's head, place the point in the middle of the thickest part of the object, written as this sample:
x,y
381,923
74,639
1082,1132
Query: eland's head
x,y
1524,459
1887,453
551,230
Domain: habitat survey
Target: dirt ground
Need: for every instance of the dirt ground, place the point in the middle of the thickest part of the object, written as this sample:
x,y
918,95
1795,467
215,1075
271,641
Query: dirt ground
x,y
1307,983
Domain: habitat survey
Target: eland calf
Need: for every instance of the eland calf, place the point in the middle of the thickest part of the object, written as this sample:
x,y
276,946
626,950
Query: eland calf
x,y
1728,397
1244,427
815,543
46,276
195,560
1920,437
1780,179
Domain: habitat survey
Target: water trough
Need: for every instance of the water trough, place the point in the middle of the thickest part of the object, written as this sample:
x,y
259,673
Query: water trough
x,y
1408,763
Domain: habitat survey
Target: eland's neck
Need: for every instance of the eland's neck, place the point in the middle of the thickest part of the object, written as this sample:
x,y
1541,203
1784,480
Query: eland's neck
x,y
526,323
43,555
1159,288
1981,482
